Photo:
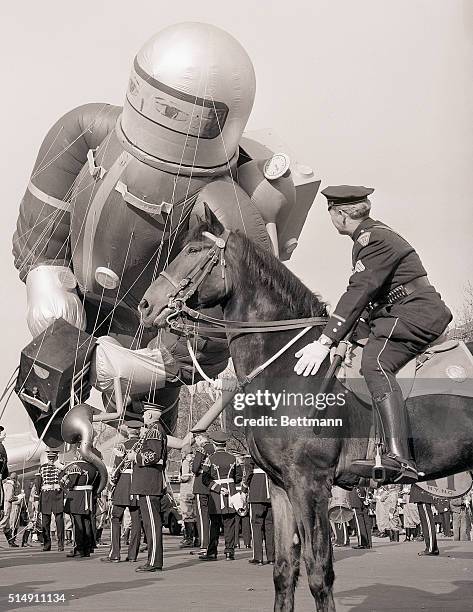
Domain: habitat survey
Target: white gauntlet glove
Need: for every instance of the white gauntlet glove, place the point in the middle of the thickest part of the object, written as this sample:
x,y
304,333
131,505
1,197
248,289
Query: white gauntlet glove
x,y
51,294
311,358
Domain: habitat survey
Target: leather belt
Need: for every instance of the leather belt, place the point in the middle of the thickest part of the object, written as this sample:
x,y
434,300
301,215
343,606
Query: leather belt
x,y
402,291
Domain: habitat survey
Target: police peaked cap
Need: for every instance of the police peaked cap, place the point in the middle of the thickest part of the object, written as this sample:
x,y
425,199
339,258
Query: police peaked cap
x,y
337,195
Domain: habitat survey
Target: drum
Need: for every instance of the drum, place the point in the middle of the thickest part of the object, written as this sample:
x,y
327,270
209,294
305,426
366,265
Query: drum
x,y
339,509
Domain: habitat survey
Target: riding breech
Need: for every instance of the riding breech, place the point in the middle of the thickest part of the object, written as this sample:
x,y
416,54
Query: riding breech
x,y
392,343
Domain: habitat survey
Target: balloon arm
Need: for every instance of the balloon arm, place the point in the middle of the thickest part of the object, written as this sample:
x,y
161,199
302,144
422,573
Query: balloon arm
x,y
209,417
120,404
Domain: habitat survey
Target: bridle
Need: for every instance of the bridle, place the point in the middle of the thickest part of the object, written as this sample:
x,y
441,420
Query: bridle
x,y
187,286
185,289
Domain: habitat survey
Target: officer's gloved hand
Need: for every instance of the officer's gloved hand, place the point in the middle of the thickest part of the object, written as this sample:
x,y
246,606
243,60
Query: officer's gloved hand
x,y
51,294
311,358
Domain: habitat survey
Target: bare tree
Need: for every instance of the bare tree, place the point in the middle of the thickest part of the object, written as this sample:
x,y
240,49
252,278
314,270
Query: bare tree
x,y
463,323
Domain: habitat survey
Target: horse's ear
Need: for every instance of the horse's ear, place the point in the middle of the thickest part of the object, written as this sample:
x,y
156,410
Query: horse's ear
x,y
211,219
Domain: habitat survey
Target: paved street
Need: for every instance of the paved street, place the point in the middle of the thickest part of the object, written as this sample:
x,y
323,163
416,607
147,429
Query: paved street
x,y
390,577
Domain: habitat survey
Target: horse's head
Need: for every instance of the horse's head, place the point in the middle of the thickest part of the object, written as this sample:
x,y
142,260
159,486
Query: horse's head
x,y
197,276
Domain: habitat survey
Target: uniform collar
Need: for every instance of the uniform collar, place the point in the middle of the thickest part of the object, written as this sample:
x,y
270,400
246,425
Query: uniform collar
x,y
364,225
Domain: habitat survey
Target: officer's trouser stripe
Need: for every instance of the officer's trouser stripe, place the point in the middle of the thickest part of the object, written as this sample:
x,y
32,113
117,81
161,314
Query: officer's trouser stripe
x,y
429,523
379,354
201,520
358,532
153,531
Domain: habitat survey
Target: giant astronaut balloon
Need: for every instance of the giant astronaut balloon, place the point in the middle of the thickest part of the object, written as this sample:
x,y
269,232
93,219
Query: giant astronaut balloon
x,y
113,189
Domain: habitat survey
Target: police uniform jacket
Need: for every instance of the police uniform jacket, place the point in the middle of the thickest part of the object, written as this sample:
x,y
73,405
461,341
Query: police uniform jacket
x,y
255,483
200,456
122,495
357,497
148,471
81,480
381,262
221,471
50,489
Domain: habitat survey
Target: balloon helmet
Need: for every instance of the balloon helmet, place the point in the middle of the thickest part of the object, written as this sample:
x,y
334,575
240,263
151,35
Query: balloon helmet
x,y
191,91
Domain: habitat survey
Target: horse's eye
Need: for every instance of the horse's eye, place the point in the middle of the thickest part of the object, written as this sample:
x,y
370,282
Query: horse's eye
x,y
194,249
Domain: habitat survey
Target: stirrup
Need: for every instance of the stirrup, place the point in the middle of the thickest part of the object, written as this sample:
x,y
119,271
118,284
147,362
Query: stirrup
x,y
395,470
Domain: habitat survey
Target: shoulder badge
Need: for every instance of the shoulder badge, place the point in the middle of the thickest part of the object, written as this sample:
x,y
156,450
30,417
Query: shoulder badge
x,y
364,238
359,266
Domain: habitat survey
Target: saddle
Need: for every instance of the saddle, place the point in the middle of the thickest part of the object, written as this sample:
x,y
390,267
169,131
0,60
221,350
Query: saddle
x,y
444,368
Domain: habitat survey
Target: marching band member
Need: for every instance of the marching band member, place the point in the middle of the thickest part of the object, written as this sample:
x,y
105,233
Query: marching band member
x,y
122,497
11,491
51,499
424,501
204,448
80,479
256,485
147,482
220,473
242,517
358,499
187,498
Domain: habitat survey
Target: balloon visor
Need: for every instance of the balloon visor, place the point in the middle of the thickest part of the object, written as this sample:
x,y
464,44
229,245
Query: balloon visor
x,y
173,109
167,128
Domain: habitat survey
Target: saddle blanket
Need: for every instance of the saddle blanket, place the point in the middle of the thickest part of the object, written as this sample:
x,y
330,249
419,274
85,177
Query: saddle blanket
x,y
443,369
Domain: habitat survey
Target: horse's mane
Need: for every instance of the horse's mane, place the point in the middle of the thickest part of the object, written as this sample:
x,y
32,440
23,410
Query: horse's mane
x,y
265,270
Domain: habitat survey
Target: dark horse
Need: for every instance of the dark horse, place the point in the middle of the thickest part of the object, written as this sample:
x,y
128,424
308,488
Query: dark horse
x,y
302,463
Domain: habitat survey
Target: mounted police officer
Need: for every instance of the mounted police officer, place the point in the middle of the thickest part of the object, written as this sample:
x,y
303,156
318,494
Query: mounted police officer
x,y
147,482
256,484
122,496
221,473
204,448
81,479
406,314
51,499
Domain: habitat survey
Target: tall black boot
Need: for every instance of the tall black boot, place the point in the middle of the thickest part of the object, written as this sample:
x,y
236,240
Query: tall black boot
x,y
397,464
391,535
396,535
